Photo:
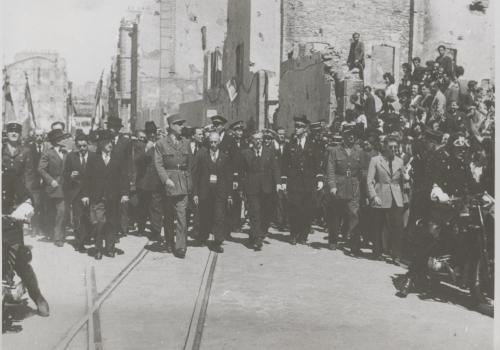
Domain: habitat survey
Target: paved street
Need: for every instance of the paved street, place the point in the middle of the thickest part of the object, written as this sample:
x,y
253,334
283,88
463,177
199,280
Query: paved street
x,y
284,297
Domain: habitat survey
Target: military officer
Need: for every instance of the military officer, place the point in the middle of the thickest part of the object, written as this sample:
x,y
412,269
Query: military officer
x,y
302,171
344,171
14,193
173,162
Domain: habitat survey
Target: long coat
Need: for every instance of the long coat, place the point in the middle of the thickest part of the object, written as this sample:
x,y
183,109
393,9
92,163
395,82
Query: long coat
x,y
201,172
102,182
147,178
34,181
382,184
51,168
260,175
73,187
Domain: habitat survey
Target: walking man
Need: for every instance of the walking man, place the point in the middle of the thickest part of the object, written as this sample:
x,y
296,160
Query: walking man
x,y
172,161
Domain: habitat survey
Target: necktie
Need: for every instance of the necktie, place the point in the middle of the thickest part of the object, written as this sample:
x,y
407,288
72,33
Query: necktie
x,y
213,157
106,159
390,166
83,162
39,147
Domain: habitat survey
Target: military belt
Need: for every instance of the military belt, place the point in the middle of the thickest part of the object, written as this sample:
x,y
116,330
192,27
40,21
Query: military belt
x,y
178,167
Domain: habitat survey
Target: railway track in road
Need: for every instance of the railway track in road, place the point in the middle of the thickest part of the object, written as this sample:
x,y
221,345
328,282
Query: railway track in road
x,y
91,318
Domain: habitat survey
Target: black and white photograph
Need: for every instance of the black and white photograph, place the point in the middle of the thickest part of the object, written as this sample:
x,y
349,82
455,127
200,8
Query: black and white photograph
x,y
248,174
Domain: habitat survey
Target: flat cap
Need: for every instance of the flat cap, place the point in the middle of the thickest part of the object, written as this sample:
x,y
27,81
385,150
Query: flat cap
x,y
218,119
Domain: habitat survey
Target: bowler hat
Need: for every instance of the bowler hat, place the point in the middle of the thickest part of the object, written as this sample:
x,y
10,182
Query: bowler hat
x,y
114,122
175,119
56,135
14,127
301,119
150,127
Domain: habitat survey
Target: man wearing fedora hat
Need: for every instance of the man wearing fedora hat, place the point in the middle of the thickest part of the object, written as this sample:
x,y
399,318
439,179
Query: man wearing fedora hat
x,y
148,183
105,186
173,161
51,168
122,151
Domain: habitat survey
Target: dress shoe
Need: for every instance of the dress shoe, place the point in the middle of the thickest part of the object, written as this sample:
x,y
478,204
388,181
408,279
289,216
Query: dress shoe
x,y
59,244
332,246
217,247
110,254
81,249
302,241
180,253
42,306
98,255
406,288
118,251
293,241
257,245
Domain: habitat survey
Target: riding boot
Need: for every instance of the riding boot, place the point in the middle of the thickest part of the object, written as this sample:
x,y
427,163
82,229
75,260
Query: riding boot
x,y
27,275
475,289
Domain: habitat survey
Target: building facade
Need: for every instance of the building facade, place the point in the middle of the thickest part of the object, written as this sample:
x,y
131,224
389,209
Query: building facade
x,y
48,82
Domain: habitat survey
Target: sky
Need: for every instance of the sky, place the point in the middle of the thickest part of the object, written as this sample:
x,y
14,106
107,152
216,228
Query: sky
x,y
84,32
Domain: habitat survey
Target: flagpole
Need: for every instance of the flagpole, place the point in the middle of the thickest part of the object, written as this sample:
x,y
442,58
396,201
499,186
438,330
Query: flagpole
x,y
98,94
27,96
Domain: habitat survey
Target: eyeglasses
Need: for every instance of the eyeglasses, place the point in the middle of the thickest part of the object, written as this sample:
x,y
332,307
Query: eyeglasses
x,y
392,147
461,142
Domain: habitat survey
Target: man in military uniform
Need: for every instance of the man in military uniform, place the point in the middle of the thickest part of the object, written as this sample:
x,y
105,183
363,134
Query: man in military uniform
x,y
14,193
302,168
344,171
172,161
449,177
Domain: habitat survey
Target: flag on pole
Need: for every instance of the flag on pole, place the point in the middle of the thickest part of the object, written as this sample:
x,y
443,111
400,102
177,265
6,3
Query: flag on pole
x,y
98,108
31,111
8,113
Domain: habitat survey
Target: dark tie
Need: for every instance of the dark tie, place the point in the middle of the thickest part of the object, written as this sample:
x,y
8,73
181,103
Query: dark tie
x,y
84,164
390,166
39,147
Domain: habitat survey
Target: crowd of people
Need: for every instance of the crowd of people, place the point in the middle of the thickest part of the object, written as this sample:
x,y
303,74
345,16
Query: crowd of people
x,y
368,178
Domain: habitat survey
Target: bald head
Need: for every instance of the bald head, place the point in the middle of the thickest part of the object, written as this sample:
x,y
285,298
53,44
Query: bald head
x,y
214,140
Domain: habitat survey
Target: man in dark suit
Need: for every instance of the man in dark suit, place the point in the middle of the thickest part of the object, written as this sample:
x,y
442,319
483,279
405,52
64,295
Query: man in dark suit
x,y
281,202
196,144
122,149
356,58
75,169
148,184
235,210
51,169
211,174
302,167
105,186
261,178
229,147
34,182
